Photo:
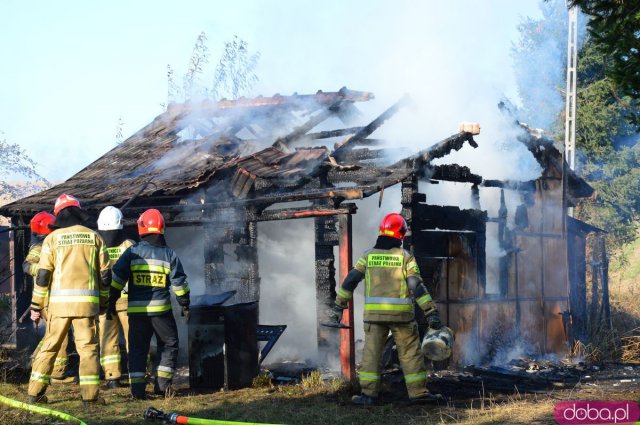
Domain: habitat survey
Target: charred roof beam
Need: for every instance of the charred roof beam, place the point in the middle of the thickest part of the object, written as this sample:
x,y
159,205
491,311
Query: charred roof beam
x,y
370,128
455,173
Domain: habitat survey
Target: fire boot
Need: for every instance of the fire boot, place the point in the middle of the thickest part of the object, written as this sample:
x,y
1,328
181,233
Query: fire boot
x,y
364,400
113,384
40,398
426,398
95,402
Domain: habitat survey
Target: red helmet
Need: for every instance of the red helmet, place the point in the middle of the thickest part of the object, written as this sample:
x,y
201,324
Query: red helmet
x,y
40,223
393,225
63,202
151,221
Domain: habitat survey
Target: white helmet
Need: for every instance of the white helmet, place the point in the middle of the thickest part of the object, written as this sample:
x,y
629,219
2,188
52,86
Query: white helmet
x,y
437,344
110,218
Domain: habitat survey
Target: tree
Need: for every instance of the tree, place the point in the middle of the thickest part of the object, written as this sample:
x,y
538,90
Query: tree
x,y
608,155
539,58
615,27
233,76
14,164
607,142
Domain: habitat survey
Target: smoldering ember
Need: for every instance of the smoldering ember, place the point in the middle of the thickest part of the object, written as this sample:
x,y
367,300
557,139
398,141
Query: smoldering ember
x,y
216,169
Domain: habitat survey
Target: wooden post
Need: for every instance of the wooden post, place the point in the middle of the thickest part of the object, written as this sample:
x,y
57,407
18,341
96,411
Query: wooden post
x,y
347,336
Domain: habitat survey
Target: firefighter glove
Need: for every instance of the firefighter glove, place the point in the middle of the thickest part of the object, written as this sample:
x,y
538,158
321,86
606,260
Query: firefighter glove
x,y
111,310
186,313
434,321
36,315
183,301
335,314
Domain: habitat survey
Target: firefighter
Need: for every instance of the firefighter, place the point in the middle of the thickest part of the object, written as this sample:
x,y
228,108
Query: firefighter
x,y
39,230
111,229
74,269
391,277
151,268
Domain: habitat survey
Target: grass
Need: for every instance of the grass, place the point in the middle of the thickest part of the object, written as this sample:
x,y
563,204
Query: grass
x,y
313,401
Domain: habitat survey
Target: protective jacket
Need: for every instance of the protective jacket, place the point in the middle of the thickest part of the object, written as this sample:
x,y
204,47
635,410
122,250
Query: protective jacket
x,y
30,264
392,280
150,271
115,252
73,265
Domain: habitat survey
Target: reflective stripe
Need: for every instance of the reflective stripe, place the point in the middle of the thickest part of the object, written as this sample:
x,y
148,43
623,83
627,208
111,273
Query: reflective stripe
x,y
89,380
149,303
136,378
115,358
75,299
368,376
180,290
362,262
415,377
90,292
61,360
413,265
39,293
166,369
104,292
116,285
165,375
151,268
345,294
117,279
389,307
424,299
385,300
149,309
151,261
40,377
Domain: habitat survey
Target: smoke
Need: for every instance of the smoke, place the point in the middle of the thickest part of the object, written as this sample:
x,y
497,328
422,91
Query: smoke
x,y
455,64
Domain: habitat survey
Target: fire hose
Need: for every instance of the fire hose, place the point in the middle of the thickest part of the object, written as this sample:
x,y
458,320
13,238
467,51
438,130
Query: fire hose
x,y
173,418
41,410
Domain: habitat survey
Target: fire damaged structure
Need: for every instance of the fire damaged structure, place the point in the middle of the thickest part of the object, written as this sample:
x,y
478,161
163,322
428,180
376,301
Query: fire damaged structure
x,y
225,166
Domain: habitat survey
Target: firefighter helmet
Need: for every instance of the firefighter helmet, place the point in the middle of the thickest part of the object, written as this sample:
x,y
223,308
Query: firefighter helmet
x,y
63,202
151,221
393,225
40,223
110,218
438,343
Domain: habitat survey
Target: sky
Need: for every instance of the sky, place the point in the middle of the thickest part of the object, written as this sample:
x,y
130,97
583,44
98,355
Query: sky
x,y
72,69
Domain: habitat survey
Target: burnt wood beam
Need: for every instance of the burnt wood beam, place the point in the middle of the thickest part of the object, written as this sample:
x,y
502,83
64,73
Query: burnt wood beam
x,y
302,212
364,154
332,133
370,128
527,186
440,149
22,286
326,237
283,143
455,173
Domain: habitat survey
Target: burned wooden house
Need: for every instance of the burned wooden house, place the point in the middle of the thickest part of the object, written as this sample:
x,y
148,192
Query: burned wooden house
x,y
224,166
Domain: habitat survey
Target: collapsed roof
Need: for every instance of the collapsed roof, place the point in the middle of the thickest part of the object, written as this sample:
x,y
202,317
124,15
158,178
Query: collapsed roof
x,y
250,152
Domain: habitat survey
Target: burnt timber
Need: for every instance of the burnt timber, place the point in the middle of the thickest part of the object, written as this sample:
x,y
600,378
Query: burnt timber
x,y
227,165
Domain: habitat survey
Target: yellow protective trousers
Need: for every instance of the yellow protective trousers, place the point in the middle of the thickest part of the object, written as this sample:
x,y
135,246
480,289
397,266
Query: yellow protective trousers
x,y
61,362
86,335
110,358
411,360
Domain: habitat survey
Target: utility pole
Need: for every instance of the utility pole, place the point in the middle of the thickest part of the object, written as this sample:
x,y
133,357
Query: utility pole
x,y
570,101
